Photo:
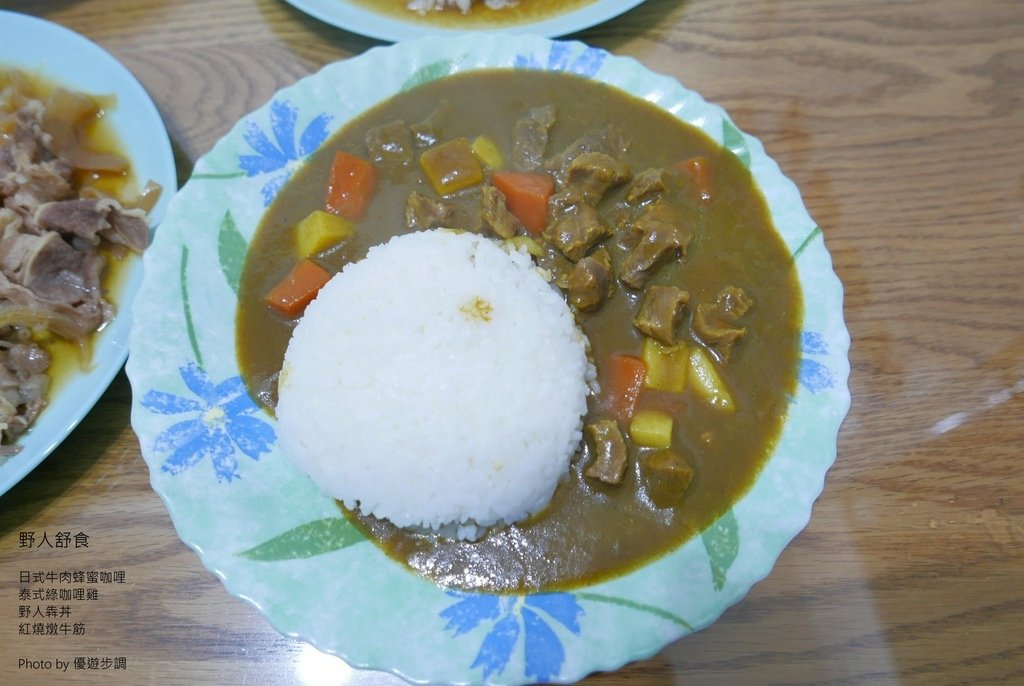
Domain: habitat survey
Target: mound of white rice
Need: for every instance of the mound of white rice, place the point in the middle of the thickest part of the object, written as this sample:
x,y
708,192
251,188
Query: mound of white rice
x,y
440,381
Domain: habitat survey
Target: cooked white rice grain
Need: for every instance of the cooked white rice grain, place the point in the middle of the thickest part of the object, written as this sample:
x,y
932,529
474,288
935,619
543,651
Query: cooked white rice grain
x,y
439,381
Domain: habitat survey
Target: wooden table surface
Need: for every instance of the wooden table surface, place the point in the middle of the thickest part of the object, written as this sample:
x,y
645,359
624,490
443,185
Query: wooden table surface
x,y
903,125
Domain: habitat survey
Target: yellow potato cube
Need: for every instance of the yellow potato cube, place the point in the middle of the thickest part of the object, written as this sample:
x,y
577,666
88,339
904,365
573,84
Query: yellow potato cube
x,y
651,429
667,366
707,382
487,151
451,166
321,230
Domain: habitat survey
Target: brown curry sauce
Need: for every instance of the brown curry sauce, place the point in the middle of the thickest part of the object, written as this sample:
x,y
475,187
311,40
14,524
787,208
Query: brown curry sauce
x,y
590,531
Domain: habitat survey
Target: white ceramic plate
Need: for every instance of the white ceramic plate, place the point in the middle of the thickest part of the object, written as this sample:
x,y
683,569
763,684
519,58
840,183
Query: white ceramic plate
x,y
64,57
358,19
280,544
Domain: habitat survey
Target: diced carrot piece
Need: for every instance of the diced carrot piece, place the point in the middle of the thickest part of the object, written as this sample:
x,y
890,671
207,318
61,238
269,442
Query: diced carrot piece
x,y
451,166
291,295
698,171
526,196
623,380
350,185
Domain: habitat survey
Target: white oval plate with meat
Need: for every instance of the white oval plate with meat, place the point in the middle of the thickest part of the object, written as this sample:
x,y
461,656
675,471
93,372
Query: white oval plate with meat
x,y
66,58
383,26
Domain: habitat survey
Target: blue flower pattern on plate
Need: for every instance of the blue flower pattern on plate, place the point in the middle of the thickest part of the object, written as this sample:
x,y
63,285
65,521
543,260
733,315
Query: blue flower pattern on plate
x,y
560,58
221,422
814,375
512,617
280,157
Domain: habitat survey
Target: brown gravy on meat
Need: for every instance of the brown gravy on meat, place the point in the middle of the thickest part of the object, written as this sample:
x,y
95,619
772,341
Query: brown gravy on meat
x,y
592,530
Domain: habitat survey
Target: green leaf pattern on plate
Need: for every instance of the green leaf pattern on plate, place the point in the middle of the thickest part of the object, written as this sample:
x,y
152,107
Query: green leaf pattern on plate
x,y
307,540
815,232
733,140
633,605
231,249
186,305
427,73
722,542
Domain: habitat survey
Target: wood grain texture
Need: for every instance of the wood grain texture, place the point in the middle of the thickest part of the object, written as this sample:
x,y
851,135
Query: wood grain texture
x,y
903,125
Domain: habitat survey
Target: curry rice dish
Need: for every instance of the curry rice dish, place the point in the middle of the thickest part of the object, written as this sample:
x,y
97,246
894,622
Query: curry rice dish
x,y
654,236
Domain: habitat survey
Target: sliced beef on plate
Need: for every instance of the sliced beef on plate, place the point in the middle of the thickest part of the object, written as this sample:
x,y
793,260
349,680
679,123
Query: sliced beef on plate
x,y
48,265
128,227
92,220
24,191
21,307
46,282
30,174
23,385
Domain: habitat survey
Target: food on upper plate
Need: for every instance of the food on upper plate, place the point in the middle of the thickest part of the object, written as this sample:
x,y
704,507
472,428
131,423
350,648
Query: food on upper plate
x,y
66,217
659,243
441,335
461,14
461,5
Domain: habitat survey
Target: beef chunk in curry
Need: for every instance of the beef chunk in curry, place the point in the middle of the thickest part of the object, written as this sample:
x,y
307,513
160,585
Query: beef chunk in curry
x,y
660,311
590,281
